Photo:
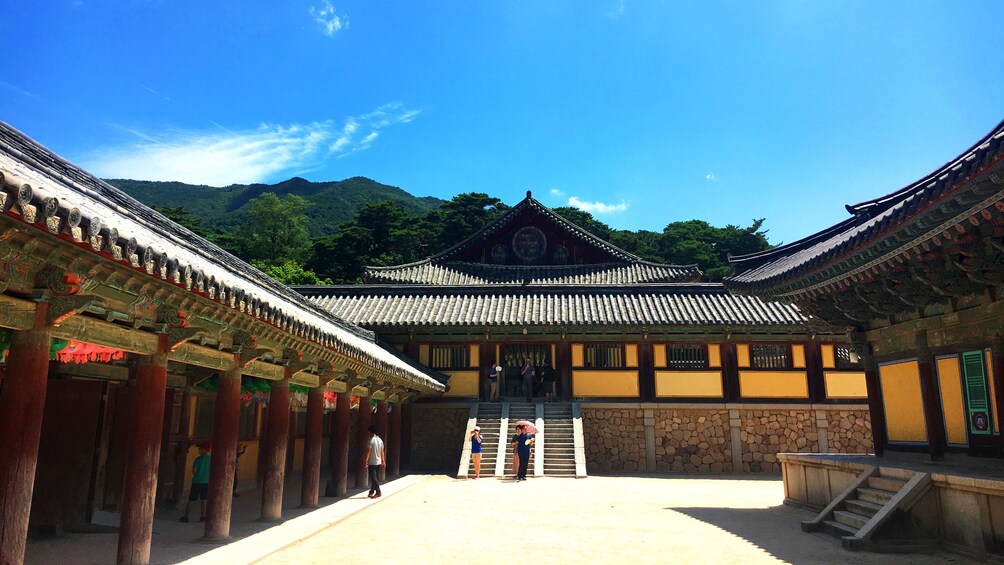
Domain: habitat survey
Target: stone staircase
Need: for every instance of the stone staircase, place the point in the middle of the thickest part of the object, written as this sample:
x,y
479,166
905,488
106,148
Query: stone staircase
x,y
517,411
490,421
559,440
869,503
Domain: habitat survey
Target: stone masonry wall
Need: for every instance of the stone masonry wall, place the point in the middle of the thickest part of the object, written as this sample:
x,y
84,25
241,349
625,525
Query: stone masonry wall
x,y
717,438
765,433
693,441
614,439
849,431
437,437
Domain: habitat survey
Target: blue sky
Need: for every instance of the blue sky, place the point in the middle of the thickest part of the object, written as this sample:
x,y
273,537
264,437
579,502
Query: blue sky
x,y
642,112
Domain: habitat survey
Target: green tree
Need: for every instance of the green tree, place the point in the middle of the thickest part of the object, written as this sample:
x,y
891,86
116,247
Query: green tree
x,y
697,241
584,220
290,272
463,215
276,230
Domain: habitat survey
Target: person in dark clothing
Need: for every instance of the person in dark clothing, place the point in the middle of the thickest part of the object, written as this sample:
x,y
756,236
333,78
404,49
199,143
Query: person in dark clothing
x,y
521,444
526,380
550,384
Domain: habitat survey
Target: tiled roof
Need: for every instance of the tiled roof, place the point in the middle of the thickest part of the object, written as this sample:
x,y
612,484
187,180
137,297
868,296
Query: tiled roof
x,y
652,305
871,221
104,219
459,273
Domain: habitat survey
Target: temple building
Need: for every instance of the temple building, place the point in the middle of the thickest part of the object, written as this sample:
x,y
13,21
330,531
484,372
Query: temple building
x,y
126,340
695,378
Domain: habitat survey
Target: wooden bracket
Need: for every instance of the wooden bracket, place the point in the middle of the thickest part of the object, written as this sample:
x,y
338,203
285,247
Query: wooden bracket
x,y
62,307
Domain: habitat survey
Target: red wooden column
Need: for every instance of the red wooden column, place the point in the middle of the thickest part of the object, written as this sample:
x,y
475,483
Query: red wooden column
x,y
181,447
876,407
394,444
224,455
730,371
340,443
143,459
814,371
275,449
997,374
934,416
312,449
382,427
362,442
22,400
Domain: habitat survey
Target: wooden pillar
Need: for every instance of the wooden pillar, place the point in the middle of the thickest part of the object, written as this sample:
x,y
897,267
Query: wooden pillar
x,y
312,449
363,419
934,416
382,425
394,445
143,459
730,371
181,447
814,371
407,411
223,458
876,408
275,449
997,374
22,401
340,443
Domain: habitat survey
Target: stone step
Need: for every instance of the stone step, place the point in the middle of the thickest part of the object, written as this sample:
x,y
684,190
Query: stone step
x,y
838,530
886,484
875,496
850,519
862,507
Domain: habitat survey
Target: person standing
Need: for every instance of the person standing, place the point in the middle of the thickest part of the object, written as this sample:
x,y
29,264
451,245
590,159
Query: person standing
x,y
522,444
241,448
375,459
476,448
494,372
549,383
200,482
526,379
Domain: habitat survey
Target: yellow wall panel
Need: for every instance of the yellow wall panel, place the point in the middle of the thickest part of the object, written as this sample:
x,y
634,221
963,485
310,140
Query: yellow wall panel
x,y
798,356
692,384
773,384
904,405
298,454
659,354
993,393
952,404
578,358
248,462
743,354
630,355
605,383
845,384
462,383
827,353
423,354
474,358
714,355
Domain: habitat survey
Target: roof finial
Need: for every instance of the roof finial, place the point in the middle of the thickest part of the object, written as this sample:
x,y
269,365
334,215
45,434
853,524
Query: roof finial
x,y
529,194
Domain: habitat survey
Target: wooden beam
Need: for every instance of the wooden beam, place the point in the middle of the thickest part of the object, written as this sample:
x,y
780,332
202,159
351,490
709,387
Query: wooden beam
x,y
15,313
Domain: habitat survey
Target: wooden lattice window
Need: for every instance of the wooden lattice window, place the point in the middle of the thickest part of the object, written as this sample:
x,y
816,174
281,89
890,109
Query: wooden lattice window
x,y
605,356
450,356
769,357
843,359
687,356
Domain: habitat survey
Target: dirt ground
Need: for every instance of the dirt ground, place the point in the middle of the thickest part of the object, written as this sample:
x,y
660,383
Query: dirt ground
x,y
674,519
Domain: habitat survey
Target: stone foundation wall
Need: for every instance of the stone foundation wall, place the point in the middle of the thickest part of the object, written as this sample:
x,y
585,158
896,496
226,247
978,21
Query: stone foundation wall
x,y
694,441
717,438
614,439
437,437
849,431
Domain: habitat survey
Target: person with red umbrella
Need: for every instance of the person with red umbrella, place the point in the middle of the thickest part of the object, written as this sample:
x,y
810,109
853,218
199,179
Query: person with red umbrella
x,y
521,444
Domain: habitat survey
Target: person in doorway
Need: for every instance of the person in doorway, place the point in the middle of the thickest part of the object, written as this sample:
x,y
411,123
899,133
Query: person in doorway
x,y
241,448
526,379
199,490
521,445
550,383
494,372
476,448
375,459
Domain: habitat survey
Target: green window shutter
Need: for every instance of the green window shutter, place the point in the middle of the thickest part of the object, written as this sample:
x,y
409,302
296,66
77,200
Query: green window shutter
x,y
977,393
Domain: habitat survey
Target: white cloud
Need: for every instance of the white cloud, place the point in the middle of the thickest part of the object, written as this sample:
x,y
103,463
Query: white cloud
x,y
597,207
711,177
223,157
556,192
330,22
617,12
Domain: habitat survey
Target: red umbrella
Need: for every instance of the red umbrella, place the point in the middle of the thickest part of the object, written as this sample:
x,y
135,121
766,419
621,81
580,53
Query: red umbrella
x,y
528,427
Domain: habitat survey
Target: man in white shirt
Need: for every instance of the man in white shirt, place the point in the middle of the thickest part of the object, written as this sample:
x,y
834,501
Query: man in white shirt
x,y
375,458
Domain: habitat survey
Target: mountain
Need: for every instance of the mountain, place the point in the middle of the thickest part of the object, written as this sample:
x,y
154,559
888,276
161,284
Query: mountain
x,y
331,202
